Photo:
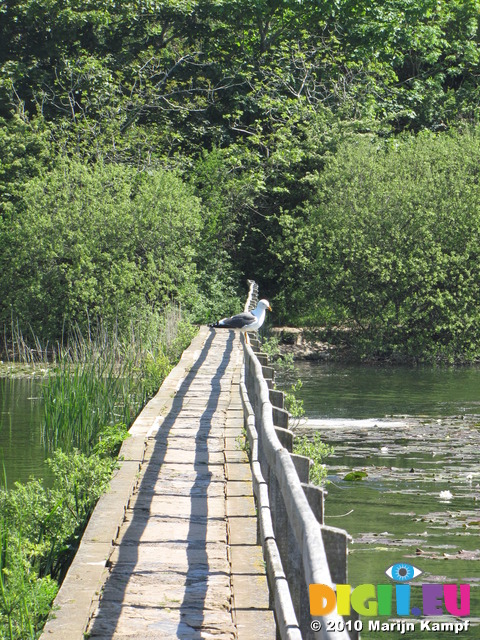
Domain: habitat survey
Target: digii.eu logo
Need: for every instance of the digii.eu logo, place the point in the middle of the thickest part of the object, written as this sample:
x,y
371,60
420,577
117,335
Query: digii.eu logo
x,y
394,599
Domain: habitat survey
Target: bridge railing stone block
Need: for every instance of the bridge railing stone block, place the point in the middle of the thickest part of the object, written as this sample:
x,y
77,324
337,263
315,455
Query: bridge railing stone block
x,y
298,549
277,398
280,417
286,438
302,466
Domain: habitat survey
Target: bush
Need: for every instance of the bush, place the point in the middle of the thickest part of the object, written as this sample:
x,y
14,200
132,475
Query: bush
x,y
397,230
101,241
40,529
317,451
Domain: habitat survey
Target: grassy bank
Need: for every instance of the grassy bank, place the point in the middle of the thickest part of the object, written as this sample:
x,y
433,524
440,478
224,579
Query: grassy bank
x,y
96,385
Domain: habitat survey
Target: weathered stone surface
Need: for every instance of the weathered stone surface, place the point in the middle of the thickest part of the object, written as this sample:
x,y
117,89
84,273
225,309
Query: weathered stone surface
x,y
176,552
241,506
170,573
238,471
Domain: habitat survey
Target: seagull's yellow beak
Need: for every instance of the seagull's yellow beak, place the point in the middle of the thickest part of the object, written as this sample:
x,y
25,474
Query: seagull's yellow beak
x,y
269,308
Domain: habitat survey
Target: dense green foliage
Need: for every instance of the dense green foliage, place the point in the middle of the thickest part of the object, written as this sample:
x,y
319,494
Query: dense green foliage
x,y
105,241
395,237
39,533
164,150
317,451
91,395
167,149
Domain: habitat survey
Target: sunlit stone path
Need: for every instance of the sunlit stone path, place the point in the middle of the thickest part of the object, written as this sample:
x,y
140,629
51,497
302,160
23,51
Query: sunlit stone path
x,y
185,563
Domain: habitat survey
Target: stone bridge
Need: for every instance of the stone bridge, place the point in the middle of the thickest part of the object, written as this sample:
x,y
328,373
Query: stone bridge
x,y
195,539
171,550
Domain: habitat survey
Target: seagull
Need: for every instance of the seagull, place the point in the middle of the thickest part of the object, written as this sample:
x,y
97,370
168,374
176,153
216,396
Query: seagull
x,y
246,321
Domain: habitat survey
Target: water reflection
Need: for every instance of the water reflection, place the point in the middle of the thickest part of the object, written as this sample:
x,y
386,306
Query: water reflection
x,y
22,453
359,391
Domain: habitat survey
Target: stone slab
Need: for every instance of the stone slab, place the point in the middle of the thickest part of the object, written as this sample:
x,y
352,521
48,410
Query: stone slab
x,y
238,488
255,624
242,531
241,506
236,455
162,623
165,529
238,471
247,560
184,562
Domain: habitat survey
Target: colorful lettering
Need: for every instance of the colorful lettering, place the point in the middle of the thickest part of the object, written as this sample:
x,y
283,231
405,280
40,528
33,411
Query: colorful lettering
x,y
363,600
450,597
432,599
322,599
370,600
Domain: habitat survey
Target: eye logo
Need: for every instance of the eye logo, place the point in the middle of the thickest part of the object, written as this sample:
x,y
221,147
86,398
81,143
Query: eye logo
x,y
402,572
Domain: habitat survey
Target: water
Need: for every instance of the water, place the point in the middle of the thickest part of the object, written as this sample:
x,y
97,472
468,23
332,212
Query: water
x,y
354,391
415,432
22,452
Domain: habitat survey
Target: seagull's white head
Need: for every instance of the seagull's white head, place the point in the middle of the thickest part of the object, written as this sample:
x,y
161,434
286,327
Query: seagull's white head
x,y
264,304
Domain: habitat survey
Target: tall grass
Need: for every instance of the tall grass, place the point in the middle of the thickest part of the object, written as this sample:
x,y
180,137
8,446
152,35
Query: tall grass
x,y
100,378
16,348
82,397
103,379
96,385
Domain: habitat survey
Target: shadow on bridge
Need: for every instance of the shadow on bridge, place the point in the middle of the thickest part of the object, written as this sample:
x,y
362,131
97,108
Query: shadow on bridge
x,y
106,624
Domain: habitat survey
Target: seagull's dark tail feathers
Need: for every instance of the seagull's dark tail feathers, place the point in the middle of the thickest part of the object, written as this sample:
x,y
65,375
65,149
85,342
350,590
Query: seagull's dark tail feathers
x,y
217,325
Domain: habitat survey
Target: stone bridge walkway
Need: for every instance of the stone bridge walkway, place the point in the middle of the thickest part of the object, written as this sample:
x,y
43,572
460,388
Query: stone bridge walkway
x,y
185,563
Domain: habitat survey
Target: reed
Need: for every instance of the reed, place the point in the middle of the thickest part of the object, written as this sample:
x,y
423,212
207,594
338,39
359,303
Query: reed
x,y
96,385
103,379
19,349
80,398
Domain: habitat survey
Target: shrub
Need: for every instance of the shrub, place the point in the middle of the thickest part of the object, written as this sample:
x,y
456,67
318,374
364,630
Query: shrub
x,y
317,451
97,241
397,237
40,529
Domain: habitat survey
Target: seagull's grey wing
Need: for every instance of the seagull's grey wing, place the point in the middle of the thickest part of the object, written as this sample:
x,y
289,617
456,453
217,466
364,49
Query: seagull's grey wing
x,y
237,322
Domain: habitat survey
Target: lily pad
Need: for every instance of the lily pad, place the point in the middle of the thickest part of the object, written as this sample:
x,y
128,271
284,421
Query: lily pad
x,y
355,475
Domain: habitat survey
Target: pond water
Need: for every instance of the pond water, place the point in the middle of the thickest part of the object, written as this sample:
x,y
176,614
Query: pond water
x,y
415,432
363,391
22,452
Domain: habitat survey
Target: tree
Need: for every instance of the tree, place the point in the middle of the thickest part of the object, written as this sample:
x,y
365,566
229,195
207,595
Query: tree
x,y
100,241
397,230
